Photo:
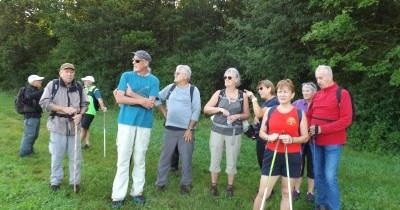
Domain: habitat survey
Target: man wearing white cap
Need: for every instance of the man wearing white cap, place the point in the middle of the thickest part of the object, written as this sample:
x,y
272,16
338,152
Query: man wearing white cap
x,y
95,102
32,114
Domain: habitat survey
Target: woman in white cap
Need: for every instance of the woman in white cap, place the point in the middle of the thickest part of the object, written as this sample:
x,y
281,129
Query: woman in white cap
x,y
32,114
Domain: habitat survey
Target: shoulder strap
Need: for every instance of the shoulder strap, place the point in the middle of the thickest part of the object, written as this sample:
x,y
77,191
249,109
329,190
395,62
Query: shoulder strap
x,y
56,85
339,94
191,93
270,111
221,94
170,91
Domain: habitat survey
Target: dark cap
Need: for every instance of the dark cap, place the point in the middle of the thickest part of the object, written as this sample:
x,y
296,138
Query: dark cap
x,y
141,54
67,66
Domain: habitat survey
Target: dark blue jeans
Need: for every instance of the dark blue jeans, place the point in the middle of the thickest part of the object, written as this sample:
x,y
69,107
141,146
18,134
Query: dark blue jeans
x,y
326,164
31,132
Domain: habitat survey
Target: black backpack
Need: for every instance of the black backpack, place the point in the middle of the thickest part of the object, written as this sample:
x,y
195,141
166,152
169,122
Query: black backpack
x,y
20,101
95,101
353,106
174,86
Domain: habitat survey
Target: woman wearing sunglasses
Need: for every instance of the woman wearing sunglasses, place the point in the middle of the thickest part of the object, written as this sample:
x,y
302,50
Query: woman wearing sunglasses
x,y
266,90
229,108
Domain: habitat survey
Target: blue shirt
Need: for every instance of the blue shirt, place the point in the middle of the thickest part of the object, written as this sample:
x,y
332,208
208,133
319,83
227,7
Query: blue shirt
x,y
181,108
146,86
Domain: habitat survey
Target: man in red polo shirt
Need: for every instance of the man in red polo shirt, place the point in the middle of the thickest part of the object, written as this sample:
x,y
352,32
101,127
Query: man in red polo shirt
x,y
329,120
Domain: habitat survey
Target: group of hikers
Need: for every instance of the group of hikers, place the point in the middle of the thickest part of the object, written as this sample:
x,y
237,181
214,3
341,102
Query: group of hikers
x,y
289,136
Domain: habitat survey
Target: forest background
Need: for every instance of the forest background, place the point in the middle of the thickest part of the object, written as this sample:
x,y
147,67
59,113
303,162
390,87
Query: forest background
x,y
264,39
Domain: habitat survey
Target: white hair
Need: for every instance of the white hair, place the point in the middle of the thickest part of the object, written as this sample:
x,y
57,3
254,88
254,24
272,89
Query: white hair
x,y
235,72
186,69
327,70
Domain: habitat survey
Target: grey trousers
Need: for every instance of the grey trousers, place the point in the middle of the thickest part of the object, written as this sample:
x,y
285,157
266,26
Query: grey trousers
x,y
57,146
171,139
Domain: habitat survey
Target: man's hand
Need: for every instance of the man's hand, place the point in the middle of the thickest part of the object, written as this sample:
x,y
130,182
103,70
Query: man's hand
x,y
315,130
104,109
147,103
187,136
77,119
69,110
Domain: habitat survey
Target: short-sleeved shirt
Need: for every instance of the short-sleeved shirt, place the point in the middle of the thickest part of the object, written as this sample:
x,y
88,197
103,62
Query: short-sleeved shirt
x,y
146,86
96,93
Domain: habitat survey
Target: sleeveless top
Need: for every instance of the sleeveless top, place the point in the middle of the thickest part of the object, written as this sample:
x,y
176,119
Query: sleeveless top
x,y
287,123
220,124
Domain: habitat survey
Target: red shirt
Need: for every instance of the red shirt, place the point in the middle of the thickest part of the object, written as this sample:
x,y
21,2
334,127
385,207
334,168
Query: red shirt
x,y
287,123
333,119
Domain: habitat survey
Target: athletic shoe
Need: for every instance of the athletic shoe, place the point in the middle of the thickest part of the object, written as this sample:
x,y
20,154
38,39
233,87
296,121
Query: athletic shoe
x,y
77,188
55,187
229,191
309,197
214,190
185,189
117,204
295,195
139,199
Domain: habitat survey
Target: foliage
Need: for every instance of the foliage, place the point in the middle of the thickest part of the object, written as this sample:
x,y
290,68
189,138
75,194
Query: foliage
x,y
24,183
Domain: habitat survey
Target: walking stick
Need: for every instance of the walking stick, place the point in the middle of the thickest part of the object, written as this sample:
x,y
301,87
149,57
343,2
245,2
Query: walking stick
x,y
104,134
288,178
269,175
75,151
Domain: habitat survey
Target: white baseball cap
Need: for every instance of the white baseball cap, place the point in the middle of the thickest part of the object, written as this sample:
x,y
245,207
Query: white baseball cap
x,y
34,77
88,78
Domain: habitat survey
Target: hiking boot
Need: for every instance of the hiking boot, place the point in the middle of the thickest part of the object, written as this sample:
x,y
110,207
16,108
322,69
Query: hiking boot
x,y
139,199
310,197
55,187
160,188
86,146
76,189
229,191
214,190
295,195
117,204
185,189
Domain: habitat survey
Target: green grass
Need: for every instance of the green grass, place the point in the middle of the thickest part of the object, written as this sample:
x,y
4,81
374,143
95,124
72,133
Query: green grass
x,y
367,181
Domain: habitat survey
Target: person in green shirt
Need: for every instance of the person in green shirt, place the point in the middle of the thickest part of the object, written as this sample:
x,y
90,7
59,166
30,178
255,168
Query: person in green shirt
x,y
95,102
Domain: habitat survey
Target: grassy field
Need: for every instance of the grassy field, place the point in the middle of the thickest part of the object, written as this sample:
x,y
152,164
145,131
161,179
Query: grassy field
x,y
367,181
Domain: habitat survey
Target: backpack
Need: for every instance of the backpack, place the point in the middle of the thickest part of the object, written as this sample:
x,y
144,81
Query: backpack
x,y
95,101
353,106
272,109
56,85
20,101
174,86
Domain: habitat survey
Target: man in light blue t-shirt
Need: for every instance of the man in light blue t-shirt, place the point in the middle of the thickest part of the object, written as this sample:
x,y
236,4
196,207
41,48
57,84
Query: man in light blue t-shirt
x,y
136,94
182,112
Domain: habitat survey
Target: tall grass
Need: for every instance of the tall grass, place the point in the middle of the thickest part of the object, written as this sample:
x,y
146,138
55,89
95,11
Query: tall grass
x,y
367,181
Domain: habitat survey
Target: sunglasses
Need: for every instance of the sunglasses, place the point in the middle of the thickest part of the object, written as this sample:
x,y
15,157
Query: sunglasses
x,y
227,77
136,61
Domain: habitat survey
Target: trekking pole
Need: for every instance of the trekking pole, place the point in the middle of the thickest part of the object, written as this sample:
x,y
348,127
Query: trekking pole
x,y
75,151
104,134
314,142
269,175
288,178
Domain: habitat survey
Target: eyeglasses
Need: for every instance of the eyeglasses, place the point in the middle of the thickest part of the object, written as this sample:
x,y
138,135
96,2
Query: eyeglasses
x,y
227,77
136,61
